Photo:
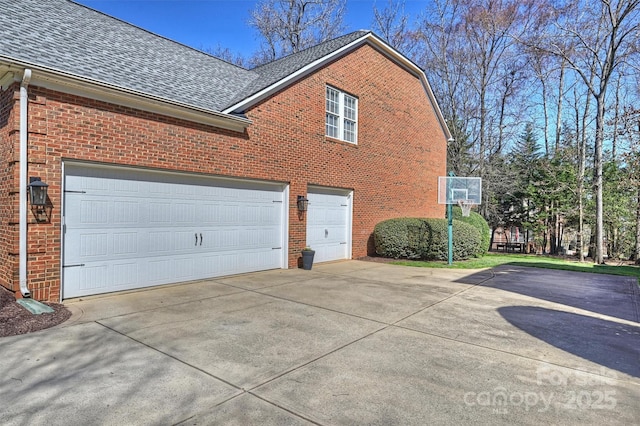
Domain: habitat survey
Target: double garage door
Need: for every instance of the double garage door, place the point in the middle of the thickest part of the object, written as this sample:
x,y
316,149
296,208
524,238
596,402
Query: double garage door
x,y
127,228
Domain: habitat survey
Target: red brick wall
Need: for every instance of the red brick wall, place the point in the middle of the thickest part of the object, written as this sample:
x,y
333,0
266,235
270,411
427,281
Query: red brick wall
x,y
393,169
9,139
401,148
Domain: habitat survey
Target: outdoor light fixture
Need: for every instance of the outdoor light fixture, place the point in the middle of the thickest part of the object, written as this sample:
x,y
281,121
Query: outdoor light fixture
x,y
303,203
37,192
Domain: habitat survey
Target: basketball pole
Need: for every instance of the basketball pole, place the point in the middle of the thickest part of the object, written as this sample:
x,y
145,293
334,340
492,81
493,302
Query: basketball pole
x,y
450,228
450,231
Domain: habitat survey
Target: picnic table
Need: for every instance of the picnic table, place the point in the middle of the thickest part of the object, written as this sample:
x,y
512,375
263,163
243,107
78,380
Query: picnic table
x,y
510,247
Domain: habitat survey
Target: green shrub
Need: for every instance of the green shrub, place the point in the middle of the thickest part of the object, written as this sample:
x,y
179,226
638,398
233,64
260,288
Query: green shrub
x,y
427,239
392,238
479,223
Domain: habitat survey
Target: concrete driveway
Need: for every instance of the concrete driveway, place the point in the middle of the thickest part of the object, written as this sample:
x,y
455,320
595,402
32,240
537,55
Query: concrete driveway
x,y
346,343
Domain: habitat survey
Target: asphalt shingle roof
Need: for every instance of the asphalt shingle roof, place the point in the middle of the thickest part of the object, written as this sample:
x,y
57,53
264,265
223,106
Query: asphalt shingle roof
x,y
75,40
71,38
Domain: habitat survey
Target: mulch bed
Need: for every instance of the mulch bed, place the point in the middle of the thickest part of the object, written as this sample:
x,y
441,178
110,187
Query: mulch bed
x,y
14,319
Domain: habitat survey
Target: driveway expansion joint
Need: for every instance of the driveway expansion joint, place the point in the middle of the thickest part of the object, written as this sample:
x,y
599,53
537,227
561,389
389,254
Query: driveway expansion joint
x,y
451,296
171,356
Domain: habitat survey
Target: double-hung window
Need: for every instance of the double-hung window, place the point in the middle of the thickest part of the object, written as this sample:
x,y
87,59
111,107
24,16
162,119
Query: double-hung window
x,y
341,115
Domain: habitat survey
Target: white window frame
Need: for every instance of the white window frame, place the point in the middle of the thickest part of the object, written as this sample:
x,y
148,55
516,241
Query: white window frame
x,y
343,108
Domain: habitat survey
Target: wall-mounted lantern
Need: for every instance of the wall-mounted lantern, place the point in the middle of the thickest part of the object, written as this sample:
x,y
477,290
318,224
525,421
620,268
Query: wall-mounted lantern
x,y
37,191
303,203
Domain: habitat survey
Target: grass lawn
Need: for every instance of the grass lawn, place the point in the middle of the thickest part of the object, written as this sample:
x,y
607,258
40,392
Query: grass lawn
x,y
493,259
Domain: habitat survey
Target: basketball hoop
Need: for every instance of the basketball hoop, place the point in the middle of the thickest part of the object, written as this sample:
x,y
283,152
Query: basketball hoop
x,y
466,205
463,191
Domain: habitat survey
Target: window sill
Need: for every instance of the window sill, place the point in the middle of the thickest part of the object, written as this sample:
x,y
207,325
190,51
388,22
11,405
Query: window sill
x,y
340,141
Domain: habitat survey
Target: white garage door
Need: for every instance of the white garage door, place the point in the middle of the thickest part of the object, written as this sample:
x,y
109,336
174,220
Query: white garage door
x,y
329,224
126,228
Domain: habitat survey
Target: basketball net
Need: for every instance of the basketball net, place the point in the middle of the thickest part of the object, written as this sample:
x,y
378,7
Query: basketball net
x,y
465,205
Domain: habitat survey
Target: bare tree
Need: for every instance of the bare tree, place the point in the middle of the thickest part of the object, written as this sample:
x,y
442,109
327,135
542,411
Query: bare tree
x,y
595,37
467,48
550,75
561,78
540,64
393,25
442,51
486,28
582,113
629,128
226,54
289,26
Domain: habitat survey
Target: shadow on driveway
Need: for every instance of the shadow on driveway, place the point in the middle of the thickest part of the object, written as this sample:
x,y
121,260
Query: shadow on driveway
x,y
610,344
610,295
88,374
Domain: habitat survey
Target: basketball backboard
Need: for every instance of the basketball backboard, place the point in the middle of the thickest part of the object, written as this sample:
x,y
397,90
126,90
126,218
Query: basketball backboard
x,y
452,189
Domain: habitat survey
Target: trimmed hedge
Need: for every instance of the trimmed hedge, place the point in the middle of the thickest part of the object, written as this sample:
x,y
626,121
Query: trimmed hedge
x,y
426,239
479,223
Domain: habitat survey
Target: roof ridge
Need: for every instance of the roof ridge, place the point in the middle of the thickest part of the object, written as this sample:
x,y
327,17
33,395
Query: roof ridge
x,y
315,46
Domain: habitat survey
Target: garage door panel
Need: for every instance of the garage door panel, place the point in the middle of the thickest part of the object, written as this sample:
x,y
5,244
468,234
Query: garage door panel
x,y
333,251
165,228
184,242
95,244
125,212
328,225
328,234
160,271
208,213
124,273
183,213
125,244
88,245
89,211
100,277
161,241
84,209
92,278
184,268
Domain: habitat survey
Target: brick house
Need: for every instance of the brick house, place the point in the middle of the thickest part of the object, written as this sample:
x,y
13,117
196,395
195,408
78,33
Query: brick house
x,y
166,165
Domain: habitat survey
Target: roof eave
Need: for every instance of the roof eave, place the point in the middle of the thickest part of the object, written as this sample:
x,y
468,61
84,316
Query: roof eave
x,y
97,90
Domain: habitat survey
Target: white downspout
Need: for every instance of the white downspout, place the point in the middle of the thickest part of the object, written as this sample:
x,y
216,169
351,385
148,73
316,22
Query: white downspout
x,y
24,98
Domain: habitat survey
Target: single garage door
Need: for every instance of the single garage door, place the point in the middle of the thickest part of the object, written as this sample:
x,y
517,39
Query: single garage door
x,y
329,223
127,228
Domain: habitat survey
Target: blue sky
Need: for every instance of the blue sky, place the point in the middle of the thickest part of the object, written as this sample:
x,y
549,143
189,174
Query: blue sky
x,y
208,23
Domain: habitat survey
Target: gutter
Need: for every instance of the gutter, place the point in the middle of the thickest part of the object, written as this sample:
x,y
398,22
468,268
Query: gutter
x,y
24,98
73,84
